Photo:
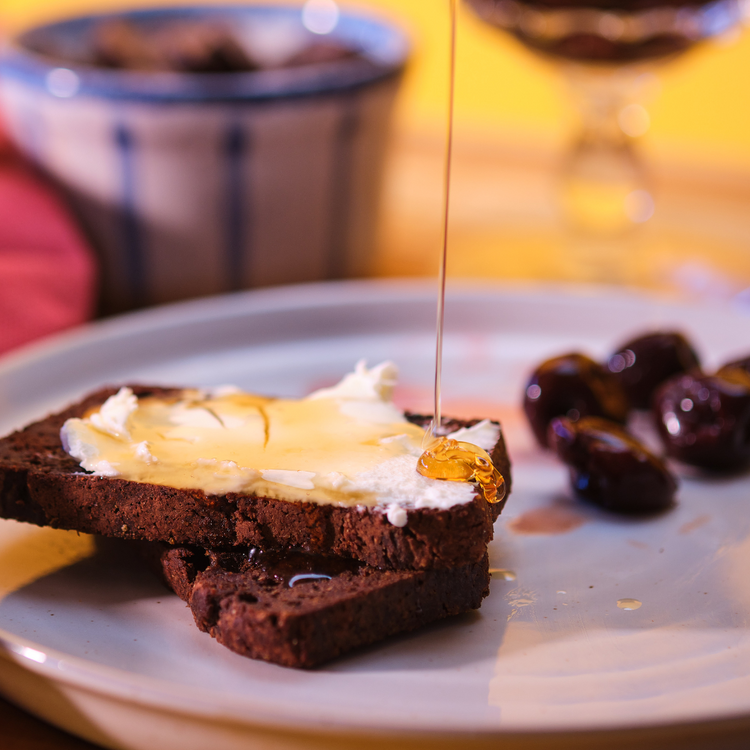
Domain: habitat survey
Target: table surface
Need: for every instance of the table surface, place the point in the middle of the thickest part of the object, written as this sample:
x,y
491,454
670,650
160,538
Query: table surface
x,y
21,731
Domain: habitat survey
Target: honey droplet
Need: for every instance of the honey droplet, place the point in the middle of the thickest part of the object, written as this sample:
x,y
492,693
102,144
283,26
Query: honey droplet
x,y
506,575
456,461
628,604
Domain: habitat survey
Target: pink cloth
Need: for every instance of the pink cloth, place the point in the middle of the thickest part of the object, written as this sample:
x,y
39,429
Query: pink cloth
x,y
47,272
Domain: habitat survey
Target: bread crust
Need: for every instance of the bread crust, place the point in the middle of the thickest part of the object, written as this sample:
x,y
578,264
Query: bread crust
x,y
40,483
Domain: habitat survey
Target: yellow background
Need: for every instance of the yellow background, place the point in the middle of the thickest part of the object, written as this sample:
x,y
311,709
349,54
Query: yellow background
x,y
513,121
702,111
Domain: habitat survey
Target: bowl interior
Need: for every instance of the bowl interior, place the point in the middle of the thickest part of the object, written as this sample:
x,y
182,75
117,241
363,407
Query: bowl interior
x,y
271,33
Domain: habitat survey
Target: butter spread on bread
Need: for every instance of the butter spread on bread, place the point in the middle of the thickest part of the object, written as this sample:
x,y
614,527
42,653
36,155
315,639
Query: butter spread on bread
x,y
348,445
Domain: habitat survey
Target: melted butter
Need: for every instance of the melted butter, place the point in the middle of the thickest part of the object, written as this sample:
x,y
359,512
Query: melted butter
x,y
245,443
458,461
346,445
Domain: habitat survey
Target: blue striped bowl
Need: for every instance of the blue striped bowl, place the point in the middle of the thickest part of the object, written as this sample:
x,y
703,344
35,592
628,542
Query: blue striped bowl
x,y
199,183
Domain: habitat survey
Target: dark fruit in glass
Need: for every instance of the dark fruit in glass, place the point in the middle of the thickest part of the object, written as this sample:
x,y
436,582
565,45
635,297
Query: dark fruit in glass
x,y
606,31
704,420
610,468
572,386
645,362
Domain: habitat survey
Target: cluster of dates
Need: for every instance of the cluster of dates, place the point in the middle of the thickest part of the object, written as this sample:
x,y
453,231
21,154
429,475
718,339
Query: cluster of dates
x,y
579,408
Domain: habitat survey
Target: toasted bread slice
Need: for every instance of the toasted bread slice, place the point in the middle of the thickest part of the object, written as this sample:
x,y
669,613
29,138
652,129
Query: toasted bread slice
x,y
40,483
302,610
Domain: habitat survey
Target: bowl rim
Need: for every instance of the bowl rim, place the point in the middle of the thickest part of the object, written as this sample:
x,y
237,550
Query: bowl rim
x,y
384,50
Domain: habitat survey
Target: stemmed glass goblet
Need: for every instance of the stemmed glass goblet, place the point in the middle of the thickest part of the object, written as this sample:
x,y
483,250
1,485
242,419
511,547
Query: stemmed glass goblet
x,y
606,49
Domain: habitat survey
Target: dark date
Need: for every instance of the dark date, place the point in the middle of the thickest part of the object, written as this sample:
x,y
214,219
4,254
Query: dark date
x,y
572,386
704,420
610,468
645,362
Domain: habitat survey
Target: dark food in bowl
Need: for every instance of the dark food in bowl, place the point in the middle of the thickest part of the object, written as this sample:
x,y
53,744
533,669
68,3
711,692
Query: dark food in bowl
x,y
643,363
181,46
572,386
704,420
192,46
610,468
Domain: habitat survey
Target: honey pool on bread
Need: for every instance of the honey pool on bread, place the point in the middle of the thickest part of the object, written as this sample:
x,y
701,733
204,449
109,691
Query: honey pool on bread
x,y
347,445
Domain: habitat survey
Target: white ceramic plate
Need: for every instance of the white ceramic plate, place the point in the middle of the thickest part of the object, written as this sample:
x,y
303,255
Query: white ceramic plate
x,y
91,642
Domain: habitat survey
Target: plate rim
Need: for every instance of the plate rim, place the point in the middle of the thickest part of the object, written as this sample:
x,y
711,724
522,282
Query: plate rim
x,y
326,294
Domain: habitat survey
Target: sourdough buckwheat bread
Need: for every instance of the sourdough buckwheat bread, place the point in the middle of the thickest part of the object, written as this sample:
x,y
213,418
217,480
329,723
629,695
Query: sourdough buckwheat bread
x,y
40,483
300,610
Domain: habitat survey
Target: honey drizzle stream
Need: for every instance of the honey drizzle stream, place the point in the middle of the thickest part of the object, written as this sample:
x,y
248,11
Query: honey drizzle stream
x,y
442,458
436,419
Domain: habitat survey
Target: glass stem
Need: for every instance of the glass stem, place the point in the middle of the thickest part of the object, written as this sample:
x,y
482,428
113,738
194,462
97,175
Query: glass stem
x,y
604,184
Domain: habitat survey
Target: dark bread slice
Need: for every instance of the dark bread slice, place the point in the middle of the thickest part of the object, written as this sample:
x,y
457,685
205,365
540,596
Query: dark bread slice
x,y
40,483
247,603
